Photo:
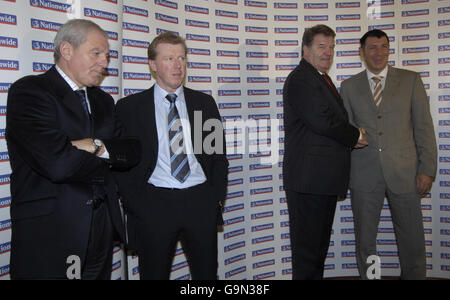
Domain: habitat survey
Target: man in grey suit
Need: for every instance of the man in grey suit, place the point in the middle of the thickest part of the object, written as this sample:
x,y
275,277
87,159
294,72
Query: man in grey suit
x,y
400,160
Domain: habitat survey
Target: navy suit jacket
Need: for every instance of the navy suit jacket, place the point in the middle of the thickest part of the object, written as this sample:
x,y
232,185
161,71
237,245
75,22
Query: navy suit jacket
x,y
318,136
52,182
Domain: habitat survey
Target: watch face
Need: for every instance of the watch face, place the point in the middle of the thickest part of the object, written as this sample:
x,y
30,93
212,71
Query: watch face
x,y
97,142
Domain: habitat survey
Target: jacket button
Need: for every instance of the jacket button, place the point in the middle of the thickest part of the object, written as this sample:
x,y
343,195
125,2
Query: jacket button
x,y
89,202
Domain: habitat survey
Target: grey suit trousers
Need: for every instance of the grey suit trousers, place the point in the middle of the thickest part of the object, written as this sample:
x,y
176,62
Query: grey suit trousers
x,y
408,226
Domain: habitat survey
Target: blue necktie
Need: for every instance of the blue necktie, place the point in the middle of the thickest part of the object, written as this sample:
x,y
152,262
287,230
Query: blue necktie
x,y
82,95
179,164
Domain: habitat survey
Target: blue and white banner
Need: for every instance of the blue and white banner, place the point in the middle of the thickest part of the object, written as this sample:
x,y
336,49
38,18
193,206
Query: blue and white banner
x,y
240,52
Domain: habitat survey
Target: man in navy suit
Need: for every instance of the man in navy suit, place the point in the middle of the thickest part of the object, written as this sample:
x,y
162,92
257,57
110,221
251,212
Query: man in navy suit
x,y
63,139
318,142
177,190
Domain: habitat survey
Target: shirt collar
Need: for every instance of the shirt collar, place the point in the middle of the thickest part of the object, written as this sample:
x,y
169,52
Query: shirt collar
x,y
69,81
382,73
161,93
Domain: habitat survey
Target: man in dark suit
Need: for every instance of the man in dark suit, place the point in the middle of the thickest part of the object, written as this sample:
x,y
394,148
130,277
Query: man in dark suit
x,y
64,204
178,188
318,142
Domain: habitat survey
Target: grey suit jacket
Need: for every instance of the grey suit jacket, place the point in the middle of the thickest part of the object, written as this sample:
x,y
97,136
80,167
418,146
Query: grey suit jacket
x,y
400,131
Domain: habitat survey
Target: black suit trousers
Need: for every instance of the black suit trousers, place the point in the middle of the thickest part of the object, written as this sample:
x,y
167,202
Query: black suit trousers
x,y
310,222
169,215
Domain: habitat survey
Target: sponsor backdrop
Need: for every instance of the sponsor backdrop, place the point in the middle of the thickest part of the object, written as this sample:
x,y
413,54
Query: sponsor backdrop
x,y
240,52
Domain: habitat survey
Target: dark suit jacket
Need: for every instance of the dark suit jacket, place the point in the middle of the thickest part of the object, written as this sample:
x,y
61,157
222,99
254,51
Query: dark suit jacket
x,y
318,136
137,113
52,182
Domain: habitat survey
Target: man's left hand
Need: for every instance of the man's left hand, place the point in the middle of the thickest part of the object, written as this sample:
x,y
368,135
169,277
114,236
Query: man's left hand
x,y
424,183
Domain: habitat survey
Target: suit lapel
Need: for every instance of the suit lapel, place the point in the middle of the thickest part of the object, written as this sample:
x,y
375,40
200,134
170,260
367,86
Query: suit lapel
x,y
69,100
147,119
392,83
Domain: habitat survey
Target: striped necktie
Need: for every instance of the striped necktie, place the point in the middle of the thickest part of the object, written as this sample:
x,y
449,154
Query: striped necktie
x,y
378,90
179,164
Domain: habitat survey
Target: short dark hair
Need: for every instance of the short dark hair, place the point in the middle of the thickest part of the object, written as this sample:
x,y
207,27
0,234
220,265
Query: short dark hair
x,y
310,33
372,33
167,37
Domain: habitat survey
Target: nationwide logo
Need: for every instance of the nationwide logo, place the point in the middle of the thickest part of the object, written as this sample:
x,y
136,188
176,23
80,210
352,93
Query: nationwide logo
x,y
9,42
168,4
112,72
197,37
4,87
260,17
444,60
262,4
135,27
233,234
256,42
42,46
443,10
233,221
263,251
416,62
291,5
264,239
229,79
443,23
239,270
100,14
234,259
227,40
227,53
194,23
233,2
382,27
419,37
257,54
262,178
8,19
257,67
349,65
443,35
348,17
380,15
348,4
286,55
258,104
5,179
4,156
257,79
135,11
196,9
113,54
284,18
414,1
167,18
41,67
414,13
44,25
128,92
112,90
371,3
316,18
348,29
415,50
134,60
229,92
227,14
314,5
415,25
440,98
136,76
199,65
51,5
256,29
258,92
199,79
228,27
112,35
444,85
228,67
236,181
6,247
286,30
196,51
10,65
286,43
347,53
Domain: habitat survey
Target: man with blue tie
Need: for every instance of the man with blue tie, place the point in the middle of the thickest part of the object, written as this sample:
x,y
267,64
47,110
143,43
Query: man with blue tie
x,y
177,190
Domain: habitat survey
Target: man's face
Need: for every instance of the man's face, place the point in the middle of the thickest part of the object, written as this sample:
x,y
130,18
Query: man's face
x,y
169,66
86,64
320,53
375,53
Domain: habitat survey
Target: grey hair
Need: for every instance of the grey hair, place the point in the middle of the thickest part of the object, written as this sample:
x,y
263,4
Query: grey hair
x,y
74,32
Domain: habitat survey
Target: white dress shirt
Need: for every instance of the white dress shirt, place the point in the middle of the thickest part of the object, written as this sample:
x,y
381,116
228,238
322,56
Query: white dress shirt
x,y
372,83
162,176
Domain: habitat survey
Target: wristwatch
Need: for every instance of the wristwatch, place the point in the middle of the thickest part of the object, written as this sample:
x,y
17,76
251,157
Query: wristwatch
x,y
98,145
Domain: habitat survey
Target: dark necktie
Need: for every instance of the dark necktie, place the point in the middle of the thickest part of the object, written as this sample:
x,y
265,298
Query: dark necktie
x,y
330,83
179,164
82,95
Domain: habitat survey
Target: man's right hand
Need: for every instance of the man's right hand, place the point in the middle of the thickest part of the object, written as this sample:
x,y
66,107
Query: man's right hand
x,y
362,141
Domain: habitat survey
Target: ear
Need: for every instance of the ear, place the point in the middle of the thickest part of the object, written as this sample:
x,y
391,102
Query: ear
x,y
66,50
152,65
